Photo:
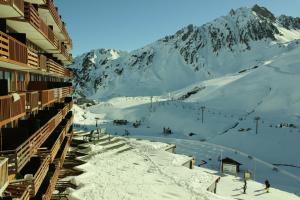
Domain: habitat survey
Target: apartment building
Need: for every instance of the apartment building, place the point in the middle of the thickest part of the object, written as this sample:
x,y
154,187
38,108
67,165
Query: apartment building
x,y
35,98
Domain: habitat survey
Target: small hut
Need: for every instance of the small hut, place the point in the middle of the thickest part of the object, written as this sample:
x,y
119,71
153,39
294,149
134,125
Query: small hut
x,y
230,166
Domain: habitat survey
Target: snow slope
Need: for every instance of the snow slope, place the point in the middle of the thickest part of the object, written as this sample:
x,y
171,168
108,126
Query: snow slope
x,y
140,169
232,102
240,66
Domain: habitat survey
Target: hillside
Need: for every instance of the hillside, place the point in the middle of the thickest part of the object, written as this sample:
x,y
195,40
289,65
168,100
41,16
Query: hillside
x,y
238,67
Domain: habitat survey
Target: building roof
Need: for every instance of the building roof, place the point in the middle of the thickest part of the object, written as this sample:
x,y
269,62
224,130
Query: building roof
x,y
231,161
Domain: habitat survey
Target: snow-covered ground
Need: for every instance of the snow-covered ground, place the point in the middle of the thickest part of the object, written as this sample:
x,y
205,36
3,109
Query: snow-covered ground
x,y
124,168
231,104
224,89
133,169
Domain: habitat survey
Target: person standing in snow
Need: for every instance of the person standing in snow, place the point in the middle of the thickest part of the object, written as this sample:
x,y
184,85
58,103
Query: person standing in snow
x,y
216,183
245,186
267,186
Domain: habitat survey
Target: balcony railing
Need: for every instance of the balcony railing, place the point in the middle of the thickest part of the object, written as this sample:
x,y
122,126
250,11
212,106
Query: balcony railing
x,y
52,183
4,45
43,62
18,190
47,97
3,174
32,15
33,59
38,167
18,157
65,92
65,53
21,86
32,101
10,110
12,49
63,151
65,110
55,68
68,73
69,123
17,3
54,142
54,12
17,51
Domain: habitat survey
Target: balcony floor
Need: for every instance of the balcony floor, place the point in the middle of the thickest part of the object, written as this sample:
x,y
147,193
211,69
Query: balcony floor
x,y
34,35
7,11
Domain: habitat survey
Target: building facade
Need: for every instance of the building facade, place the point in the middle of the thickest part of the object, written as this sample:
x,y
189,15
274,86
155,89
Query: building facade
x,y
36,121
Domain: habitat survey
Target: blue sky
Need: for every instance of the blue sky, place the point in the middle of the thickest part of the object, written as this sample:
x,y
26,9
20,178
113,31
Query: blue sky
x,y
131,24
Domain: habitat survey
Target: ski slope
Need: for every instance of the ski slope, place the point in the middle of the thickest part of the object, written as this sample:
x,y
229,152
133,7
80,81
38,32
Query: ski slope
x,y
231,104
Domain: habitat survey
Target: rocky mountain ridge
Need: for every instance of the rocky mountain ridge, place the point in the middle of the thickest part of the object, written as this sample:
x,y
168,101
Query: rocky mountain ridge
x,y
244,38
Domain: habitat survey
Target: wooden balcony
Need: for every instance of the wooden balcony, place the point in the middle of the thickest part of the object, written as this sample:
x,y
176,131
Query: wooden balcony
x,y
37,61
11,8
3,174
10,110
35,28
21,86
63,151
68,73
32,101
55,68
66,91
67,57
32,15
33,59
60,93
12,51
47,97
69,118
43,63
37,169
50,12
48,186
18,190
22,142
65,110
53,142
16,55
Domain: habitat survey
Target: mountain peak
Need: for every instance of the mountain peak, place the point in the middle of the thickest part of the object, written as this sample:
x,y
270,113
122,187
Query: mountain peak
x,y
263,12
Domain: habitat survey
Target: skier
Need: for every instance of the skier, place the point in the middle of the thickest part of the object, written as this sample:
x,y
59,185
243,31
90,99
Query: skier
x,y
245,186
267,185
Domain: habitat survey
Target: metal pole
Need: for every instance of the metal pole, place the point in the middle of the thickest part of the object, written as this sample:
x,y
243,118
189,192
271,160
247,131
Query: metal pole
x,y
202,108
254,169
221,161
256,118
151,103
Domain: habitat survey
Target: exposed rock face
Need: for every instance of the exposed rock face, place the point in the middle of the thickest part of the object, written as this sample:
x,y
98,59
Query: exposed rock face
x,y
289,22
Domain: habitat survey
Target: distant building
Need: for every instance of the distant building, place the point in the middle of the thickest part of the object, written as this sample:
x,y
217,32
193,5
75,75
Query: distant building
x,y
230,166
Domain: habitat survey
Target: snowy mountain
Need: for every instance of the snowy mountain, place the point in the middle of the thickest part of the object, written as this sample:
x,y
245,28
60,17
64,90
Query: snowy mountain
x,y
243,39
240,66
